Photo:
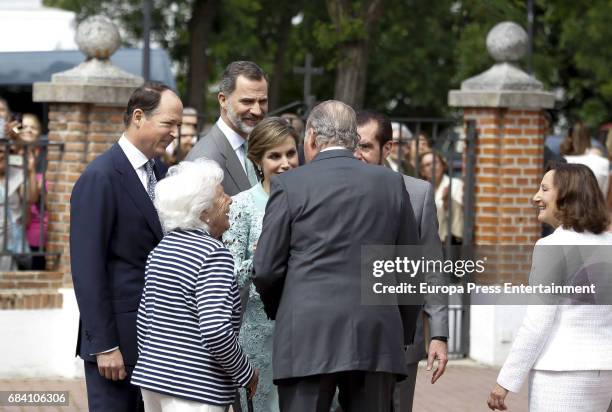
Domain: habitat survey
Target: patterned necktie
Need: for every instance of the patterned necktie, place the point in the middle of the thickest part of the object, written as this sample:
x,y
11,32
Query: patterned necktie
x,y
151,179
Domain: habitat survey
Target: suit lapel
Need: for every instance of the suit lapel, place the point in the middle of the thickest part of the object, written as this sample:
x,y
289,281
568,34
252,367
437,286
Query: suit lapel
x,y
133,187
232,164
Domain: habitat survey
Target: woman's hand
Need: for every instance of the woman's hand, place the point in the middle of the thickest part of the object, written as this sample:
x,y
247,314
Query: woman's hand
x,y
252,385
497,398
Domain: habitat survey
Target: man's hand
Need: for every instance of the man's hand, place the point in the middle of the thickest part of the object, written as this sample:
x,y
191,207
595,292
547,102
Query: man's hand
x,y
437,350
252,385
110,365
497,398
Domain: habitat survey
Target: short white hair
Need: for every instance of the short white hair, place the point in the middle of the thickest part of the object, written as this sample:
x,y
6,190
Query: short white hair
x,y
188,189
401,132
334,123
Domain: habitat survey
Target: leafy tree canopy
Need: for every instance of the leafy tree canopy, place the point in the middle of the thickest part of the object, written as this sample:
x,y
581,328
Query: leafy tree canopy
x,y
420,48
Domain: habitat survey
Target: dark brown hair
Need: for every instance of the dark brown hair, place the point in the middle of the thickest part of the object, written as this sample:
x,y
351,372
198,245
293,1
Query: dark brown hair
x,y
438,159
239,68
269,133
145,98
384,131
577,140
580,202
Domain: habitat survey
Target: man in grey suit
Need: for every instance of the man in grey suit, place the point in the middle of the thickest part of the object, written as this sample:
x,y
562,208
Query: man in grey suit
x,y
307,271
374,145
243,101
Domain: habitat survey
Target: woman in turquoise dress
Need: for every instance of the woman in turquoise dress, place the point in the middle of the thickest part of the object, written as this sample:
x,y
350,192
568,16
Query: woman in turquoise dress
x,y
273,150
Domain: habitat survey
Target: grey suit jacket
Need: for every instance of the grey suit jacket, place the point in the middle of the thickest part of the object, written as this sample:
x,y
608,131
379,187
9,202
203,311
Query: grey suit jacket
x,y
436,307
308,263
215,146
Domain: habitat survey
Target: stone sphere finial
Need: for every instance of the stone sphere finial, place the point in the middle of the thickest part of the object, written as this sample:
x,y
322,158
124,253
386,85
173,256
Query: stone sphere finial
x,y
507,42
98,37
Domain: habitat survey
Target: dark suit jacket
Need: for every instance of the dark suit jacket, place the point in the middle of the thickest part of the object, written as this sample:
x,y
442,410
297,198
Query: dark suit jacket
x,y
215,146
113,227
308,263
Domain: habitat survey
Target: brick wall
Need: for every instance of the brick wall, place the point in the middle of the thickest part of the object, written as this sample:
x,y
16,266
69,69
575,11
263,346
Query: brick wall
x,y
509,165
86,130
30,290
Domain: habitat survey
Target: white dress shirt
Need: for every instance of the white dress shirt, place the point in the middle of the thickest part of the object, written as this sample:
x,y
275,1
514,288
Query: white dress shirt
x,y
334,148
137,159
235,140
599,165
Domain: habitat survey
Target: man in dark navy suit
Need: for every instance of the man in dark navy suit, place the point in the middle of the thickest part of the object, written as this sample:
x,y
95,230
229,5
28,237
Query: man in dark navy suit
x,y
113,227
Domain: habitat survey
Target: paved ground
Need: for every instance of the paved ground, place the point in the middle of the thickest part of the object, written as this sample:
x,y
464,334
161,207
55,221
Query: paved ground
x,y
464,388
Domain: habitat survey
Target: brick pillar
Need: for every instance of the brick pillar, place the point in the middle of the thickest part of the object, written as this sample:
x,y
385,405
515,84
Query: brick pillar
x,y
86,106
509,159
508,107
86,130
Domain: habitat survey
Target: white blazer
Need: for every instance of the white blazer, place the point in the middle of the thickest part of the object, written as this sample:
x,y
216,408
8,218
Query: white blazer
x,y
563,337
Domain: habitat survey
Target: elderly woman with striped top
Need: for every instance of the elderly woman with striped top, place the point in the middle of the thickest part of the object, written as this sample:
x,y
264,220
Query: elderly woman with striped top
x,y
188,320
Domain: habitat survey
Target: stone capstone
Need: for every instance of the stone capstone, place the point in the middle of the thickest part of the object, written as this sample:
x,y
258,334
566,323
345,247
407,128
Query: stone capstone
x,y
507,42
96,80
504,84
98,37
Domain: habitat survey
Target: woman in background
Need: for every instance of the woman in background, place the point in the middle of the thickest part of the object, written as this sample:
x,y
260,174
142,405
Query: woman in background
x,y
576,148
566,350
273,150
433,168
36,230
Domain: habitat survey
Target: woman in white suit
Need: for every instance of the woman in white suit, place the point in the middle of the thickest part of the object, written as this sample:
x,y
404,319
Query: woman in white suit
x,y
566,350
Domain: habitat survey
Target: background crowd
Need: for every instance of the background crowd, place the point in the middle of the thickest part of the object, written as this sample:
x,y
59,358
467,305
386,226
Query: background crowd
x,y
22,197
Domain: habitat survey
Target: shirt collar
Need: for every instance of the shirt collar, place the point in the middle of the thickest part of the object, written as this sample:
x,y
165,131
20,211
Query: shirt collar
x,y
333,148
233,138
136,157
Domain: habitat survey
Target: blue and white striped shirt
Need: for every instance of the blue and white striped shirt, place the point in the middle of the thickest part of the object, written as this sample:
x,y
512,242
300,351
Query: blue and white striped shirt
x,y
188,321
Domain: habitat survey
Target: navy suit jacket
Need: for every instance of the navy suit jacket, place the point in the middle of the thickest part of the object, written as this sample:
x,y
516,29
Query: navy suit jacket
x,y
113,227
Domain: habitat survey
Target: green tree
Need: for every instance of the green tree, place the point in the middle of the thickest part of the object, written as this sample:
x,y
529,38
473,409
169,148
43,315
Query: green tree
x,y
571,54
401,57
353,24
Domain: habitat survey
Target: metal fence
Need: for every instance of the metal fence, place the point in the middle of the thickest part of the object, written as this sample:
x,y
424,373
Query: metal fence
x,y
455,145
24,215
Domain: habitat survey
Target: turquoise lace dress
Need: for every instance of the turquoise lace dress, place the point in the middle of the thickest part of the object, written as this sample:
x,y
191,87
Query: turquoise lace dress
x,y
246,216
